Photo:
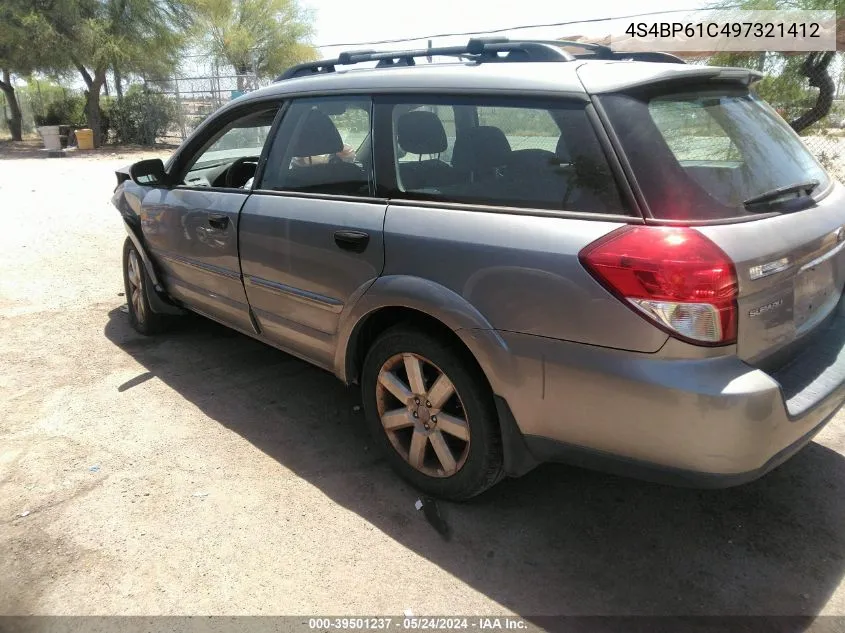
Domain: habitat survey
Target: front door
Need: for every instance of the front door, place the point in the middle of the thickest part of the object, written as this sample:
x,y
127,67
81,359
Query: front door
x,y
192,228
311,233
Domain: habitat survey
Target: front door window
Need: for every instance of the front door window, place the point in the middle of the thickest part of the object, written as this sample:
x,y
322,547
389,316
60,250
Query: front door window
x,y
229,158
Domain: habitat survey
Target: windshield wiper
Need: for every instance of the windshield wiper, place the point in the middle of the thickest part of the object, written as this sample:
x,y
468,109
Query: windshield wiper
x,y
768,196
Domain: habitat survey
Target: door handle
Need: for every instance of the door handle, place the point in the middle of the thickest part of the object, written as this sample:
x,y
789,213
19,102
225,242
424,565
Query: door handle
x,y
355,241
218,221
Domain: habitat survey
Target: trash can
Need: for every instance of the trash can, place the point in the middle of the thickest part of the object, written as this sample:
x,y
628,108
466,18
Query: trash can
x,y
85,138
50,136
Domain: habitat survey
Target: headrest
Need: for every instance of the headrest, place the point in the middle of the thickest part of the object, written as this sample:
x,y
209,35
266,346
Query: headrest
x,y
481,147
317,136
421,132
562,150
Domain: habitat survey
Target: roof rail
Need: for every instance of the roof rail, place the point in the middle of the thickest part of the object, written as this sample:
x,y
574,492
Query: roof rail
x,y
477,49
481,50
642,56
600,51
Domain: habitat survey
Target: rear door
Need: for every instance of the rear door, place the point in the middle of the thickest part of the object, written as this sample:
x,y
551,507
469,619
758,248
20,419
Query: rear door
x,y
192,228
311,233
717,156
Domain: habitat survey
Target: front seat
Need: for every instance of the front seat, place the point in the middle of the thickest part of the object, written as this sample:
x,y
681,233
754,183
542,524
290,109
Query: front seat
x,y
318,136
421,132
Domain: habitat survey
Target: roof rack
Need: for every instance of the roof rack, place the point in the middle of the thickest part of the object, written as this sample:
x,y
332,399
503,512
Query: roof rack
x,y
645,56
600,51
480,50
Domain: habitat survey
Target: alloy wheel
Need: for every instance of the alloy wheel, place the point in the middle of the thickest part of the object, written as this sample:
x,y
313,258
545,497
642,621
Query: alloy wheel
x,y
136,285
422,415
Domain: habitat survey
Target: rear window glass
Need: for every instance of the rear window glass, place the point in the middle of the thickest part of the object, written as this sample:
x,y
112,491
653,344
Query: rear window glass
x,y
703,155
693,133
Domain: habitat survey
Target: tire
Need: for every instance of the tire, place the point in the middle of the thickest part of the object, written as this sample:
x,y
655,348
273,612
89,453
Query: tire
x,y
467,424
136,284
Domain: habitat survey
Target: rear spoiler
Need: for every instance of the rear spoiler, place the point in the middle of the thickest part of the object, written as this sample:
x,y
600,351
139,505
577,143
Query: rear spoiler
x,y
619,76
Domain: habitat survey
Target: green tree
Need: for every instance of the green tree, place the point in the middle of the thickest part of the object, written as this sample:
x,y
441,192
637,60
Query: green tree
x,y
260,36
15,120
95,35
798,83
17,55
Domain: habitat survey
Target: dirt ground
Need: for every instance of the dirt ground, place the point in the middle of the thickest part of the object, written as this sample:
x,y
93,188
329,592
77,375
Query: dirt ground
x,y
201,472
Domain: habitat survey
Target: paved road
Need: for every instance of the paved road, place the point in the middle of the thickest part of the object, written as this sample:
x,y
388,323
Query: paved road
x,y
201,472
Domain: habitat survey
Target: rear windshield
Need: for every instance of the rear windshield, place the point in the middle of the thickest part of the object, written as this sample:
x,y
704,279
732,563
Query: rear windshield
x,y
701,155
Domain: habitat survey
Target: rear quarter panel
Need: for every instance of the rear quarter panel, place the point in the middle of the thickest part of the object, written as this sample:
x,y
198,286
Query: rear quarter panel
x,y
521,272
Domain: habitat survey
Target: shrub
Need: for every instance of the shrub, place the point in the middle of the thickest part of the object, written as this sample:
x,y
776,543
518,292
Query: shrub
x,y
141,116
66,110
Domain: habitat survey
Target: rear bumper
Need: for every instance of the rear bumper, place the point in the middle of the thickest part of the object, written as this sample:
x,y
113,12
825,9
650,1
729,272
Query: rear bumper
x,y
700,422
545,450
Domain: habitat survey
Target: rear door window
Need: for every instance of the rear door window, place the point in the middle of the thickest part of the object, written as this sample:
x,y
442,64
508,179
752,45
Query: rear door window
x,y
708,154
502,152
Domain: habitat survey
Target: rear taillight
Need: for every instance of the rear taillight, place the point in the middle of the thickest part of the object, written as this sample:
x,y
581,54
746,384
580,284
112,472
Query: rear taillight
x,y
674,276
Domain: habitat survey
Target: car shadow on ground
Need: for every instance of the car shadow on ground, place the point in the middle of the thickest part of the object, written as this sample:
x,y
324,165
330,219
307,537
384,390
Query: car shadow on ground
x,y
559,540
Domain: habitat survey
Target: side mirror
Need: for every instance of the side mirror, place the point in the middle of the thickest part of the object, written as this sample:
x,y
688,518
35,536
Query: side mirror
x,y
149,173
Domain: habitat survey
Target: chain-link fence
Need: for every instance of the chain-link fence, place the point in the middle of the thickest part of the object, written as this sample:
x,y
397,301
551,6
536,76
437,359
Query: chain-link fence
x,y
37,99
200,86
142,110
806,89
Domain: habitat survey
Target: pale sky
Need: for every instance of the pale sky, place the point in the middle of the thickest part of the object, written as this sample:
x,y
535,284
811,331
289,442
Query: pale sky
x,y
352,21
339,21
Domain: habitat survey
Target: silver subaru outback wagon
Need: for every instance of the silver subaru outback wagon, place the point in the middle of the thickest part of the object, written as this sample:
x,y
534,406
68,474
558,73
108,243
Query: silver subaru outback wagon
x,y
521,255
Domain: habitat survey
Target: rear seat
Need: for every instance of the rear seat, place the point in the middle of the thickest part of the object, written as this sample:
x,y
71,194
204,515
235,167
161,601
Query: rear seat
x,y
484,167
481,153
421,132
533,176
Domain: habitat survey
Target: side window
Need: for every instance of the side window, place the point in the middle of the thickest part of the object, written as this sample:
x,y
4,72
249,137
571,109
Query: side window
x,y
505,153
322,146
230,157
692,133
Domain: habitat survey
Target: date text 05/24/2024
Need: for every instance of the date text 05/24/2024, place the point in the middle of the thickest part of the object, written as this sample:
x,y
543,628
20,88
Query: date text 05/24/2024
x,y
418,623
